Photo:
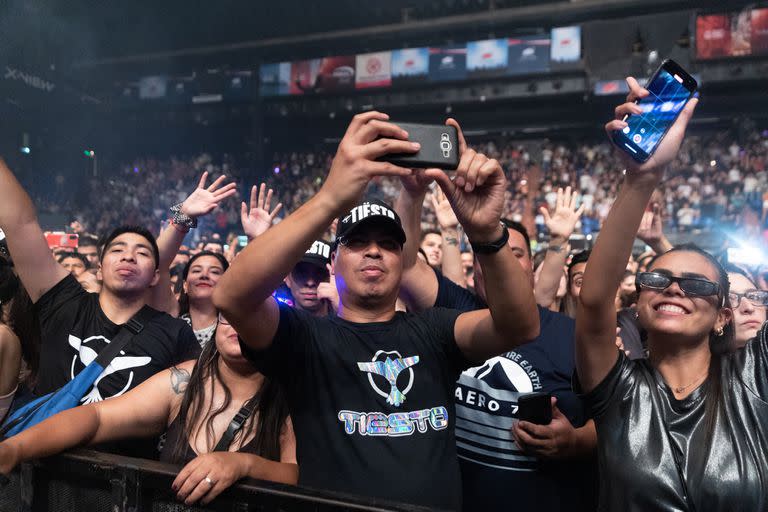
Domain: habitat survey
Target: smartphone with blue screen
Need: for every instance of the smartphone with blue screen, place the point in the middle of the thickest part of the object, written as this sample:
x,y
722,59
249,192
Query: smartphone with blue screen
x,y
670,88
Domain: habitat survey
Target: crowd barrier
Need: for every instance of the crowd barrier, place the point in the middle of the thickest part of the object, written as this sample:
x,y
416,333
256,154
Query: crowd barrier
x,y
89,481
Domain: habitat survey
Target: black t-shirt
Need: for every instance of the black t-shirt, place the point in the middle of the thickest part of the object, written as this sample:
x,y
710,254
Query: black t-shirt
x,y
74,330
371,403
642,427
496,474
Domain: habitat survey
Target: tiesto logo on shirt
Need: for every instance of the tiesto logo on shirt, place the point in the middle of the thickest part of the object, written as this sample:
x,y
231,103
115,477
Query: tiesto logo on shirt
x,y
390,369
389,366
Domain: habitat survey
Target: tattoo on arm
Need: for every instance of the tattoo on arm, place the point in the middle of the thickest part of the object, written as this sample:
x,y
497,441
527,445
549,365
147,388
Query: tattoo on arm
x,y
179,380
451,240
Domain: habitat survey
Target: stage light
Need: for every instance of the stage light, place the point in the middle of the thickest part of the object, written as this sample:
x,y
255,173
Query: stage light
x,y
277,170
25,150
89,153
712,163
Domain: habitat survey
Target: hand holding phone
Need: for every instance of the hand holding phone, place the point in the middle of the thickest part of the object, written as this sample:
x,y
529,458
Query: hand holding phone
x,y
535,408
669,90
439,147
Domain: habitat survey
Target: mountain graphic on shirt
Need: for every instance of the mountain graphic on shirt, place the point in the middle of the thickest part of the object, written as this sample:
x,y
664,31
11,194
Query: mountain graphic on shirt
x,y
486,405
503,373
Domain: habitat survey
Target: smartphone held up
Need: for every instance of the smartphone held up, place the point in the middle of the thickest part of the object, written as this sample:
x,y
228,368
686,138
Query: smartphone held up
x,y
439,147
670,88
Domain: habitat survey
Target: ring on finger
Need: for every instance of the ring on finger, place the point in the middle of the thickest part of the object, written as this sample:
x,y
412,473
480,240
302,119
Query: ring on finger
x,y
209,481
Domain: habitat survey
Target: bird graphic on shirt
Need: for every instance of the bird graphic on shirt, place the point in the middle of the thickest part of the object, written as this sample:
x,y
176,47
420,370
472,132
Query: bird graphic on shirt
x,y
87,355
390,369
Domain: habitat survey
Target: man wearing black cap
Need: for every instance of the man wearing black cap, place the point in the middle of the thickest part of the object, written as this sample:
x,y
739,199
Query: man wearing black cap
x,y
371,390
306,277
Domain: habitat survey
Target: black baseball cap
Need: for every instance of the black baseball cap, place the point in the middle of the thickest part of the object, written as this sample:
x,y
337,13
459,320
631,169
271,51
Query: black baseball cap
x,y
368,213
319,254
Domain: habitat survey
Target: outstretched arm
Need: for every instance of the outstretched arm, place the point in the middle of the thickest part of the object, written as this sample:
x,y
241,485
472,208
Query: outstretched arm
x,y
202,201
449,230
32,258
244,292
596,313
418,286
476,194
560,226
142,412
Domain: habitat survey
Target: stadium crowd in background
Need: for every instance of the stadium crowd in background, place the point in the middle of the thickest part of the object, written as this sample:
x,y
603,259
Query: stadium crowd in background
x,y
351,322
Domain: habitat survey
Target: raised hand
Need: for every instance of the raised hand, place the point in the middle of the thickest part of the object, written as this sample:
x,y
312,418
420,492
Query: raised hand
x,y
368,138
476,192
670,144
203,201
651,230
416,184
446,218
328,290
562,223
258,218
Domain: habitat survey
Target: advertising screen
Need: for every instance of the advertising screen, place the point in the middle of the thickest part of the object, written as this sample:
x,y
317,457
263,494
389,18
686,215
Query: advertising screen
x,y
741,33
448,63
335,74
566,44
760,32
487,57
528,54
373,70
275,79
410,64
713,36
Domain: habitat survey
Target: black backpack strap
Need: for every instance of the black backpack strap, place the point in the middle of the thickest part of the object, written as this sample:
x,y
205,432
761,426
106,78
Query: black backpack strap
x,y
236,424
130,329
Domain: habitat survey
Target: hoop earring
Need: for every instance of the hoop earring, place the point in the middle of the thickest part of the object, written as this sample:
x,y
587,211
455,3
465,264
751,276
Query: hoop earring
x,y
719,331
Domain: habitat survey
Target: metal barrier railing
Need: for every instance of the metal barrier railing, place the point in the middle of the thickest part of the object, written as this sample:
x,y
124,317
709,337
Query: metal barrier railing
x,y
90,481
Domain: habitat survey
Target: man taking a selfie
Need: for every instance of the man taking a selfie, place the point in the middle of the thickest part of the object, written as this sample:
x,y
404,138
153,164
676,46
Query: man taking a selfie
x,y
371,391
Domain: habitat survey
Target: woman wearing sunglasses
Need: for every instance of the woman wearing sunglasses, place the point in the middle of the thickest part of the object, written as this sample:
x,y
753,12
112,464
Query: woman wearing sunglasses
x,y
687,428
748,303
196,405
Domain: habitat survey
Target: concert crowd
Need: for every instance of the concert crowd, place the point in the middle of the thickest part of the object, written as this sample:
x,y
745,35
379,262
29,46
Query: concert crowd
x,y
415,335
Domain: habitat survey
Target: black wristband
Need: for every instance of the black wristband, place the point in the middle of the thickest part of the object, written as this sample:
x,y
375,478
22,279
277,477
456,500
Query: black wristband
x,y
491,247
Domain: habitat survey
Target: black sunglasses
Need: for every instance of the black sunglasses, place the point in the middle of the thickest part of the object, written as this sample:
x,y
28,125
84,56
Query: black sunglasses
x,y
693,286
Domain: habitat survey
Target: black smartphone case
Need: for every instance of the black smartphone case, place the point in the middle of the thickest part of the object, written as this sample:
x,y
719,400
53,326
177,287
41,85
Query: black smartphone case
x,y
535,408
439,147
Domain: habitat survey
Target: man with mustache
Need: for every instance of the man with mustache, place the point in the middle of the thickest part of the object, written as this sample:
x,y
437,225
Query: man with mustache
x,y
371,390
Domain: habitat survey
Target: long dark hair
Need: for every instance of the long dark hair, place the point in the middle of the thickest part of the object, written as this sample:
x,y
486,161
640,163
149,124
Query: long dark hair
x,y
719,345
183,296
271,408
22,318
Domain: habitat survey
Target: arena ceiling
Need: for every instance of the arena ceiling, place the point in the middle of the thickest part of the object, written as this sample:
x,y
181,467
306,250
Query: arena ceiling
x,y
83,30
